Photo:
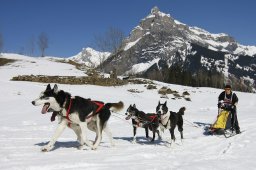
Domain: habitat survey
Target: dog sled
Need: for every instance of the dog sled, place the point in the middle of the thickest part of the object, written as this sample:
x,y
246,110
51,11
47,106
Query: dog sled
x,y
224,124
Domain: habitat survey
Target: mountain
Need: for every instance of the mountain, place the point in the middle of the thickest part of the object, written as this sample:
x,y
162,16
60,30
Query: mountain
x,y
90,57
160,42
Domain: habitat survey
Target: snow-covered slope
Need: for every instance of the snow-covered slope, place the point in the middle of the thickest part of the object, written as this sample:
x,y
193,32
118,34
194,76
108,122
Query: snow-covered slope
x,y
90,57
220,42
37,66
24,130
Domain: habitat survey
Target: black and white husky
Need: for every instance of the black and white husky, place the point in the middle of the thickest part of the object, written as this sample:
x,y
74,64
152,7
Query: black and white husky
x,y
169,120
140,119
77,113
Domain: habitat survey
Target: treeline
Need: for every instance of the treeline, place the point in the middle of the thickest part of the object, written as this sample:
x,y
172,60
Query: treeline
x,y
200,78
177,75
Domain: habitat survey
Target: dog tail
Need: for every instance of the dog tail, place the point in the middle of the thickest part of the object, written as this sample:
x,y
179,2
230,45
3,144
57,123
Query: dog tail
x,y
182,110
115,106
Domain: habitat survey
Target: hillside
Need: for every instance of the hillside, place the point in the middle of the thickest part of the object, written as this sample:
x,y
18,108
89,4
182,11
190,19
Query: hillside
x,y
24,130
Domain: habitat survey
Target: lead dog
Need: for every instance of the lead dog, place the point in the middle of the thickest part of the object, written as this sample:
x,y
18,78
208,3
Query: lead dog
x,y
169,120
77,113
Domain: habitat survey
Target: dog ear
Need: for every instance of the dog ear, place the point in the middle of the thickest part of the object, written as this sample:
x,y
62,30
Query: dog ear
x,y
165,103
134,105
158,102
55,88
48,87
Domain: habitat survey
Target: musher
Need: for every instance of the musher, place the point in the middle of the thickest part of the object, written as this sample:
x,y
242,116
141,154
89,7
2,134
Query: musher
x,y
230,98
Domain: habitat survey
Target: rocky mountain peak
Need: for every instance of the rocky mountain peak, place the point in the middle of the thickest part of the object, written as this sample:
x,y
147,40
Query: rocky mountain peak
x,y
156,22
160,42
154,10
157,19
90,57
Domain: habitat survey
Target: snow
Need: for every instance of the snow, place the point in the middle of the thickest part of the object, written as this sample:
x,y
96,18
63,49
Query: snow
x,y
200,31
130,44
212,42
212,48
179,23
141,67
205,62
245,50
36,66
24,130
238,66
90,57
225,71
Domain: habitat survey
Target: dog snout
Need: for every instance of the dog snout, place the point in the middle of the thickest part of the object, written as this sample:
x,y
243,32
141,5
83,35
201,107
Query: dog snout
x,y
159,112
33,102
126,113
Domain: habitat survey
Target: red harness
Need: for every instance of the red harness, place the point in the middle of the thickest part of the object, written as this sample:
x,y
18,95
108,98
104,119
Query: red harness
x,y
152,118
67,114
99,104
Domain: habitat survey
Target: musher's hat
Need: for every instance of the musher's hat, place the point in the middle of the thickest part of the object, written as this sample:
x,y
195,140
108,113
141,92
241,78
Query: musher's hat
x,y
227,86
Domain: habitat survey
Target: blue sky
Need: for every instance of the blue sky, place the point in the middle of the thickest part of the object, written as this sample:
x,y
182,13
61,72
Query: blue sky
x,y
72,24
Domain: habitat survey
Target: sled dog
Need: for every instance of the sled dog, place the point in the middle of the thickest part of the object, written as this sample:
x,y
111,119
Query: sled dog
x,y
169,120
140,119
77,113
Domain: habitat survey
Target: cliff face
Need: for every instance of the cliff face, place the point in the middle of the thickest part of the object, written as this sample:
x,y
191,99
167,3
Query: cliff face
x,y
161,41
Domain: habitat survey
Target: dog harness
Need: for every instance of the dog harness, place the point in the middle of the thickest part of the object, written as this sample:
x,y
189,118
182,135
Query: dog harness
x,y
99,104
141,122
67,114
152,117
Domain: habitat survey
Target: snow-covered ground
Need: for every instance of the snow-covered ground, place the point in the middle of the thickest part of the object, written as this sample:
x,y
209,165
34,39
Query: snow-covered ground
x,y
24,130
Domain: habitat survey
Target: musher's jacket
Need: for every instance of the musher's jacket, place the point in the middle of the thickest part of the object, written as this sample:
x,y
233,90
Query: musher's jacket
x,y
231,98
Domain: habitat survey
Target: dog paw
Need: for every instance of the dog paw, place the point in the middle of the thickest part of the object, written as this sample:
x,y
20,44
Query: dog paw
x,y
168,145
84,147
81,142
134,141
94,148
90,146
46,148
81,147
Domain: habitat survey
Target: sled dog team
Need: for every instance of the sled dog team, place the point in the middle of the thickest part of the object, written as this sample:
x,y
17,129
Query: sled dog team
x,y
81,114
